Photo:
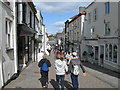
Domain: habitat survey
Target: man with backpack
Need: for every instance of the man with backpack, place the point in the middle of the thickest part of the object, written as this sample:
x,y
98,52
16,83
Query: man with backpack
x,y
44,65
74,69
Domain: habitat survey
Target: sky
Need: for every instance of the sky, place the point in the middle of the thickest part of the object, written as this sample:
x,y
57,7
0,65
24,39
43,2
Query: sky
x,y
56,13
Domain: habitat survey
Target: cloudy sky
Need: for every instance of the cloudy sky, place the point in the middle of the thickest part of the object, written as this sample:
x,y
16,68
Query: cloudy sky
x,y
56,13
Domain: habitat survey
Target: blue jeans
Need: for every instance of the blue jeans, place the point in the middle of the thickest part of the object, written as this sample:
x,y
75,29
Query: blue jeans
x,y
60,81
75,83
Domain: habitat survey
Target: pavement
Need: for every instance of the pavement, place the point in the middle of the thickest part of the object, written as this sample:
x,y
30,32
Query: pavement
x,y
106,75
30,78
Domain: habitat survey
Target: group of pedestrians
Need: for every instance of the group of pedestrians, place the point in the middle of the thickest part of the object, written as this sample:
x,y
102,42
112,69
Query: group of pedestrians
x,y
64,65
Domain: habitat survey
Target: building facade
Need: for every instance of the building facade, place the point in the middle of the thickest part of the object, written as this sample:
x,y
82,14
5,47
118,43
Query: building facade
x,y
74,32
101,34
95,34
8,55
39,35
26,30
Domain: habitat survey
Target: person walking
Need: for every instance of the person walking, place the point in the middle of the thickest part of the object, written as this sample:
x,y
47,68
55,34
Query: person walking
x,y
68,57
61,68
44,65
74,70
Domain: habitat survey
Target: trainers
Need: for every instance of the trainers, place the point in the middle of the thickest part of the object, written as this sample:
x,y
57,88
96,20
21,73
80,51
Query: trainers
x,y
44,86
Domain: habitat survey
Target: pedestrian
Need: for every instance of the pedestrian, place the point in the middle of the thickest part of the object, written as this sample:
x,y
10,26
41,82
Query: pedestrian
x,y
61,68
68,57
62,52
44,65
74,69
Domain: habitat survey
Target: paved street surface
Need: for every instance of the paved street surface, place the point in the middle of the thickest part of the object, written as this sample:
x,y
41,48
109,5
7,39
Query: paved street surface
x,y
30,78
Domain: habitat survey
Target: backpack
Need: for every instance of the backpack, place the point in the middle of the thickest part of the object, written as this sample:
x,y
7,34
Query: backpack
x,y
76,70
44,67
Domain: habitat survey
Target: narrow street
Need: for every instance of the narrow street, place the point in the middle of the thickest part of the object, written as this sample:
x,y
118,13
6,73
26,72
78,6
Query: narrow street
x,y
30,78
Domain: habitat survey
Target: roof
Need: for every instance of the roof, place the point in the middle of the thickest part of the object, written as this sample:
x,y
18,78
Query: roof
x,y
76,16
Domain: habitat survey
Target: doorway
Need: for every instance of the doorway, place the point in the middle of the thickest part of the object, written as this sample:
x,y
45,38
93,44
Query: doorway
x,y
101,56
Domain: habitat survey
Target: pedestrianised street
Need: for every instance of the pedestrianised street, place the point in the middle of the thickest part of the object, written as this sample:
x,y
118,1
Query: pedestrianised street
x,y
30,78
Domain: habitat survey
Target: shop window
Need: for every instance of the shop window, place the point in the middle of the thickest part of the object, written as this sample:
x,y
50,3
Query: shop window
x,y
106,52
110,52
115,53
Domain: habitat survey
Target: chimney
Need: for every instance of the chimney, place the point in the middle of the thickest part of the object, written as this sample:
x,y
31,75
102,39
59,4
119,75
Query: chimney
x,y
81,9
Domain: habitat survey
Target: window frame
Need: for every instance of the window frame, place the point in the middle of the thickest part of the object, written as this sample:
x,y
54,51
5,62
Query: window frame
x,y
107,7
9,34
106,27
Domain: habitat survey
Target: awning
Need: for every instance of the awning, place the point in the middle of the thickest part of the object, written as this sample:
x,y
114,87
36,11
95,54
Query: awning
x,y
25,30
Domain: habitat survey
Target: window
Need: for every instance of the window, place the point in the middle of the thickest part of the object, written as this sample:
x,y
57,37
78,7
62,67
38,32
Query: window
x,y
92,30
107,7
30,19
24,13
106,52
78,22
95,14
115,49
110,52
107,28
9,34
89,17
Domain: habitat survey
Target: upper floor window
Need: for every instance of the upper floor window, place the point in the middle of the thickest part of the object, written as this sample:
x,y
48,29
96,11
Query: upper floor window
x,y
95,14
92,30
30,19
24,13
107,7
107,28
9,34
89,17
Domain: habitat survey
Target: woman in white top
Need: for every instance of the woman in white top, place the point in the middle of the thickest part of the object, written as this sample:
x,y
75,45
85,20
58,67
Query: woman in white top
x,y
61,68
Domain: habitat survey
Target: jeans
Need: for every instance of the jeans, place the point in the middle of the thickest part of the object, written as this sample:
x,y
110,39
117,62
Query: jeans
x,y
44,77
60,81
75,83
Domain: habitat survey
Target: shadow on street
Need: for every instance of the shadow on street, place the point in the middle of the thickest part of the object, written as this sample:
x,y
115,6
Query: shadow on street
x,y
53,83
41,81
68,85
101,69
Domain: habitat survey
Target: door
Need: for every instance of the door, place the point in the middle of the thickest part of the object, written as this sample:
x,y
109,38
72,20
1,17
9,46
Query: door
x,y
96,54
101,56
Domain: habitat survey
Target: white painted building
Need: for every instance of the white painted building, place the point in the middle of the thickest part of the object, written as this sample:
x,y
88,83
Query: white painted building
x,y
44,40
101,34
74,31
8,54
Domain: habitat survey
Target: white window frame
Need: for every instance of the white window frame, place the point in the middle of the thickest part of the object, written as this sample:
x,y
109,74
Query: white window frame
x,y
9,33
